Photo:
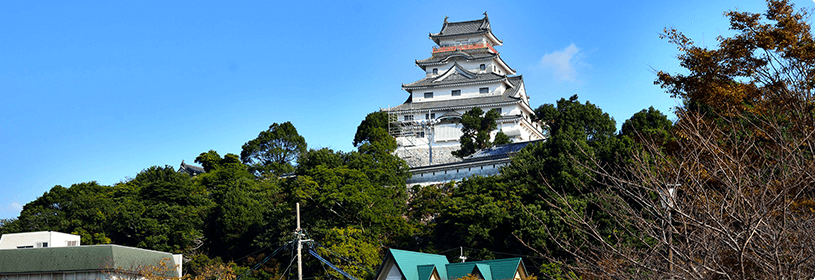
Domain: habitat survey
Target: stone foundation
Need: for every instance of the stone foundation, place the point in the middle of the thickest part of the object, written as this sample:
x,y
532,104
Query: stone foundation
x,y
420,156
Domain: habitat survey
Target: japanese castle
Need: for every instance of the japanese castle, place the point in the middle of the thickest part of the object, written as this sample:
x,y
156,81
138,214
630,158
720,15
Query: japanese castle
x,y
464,71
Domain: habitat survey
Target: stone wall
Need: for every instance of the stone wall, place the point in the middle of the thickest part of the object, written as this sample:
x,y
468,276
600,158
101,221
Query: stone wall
x,y
420,156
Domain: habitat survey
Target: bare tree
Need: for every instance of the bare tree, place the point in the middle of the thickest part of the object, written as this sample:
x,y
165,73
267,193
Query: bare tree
x,y
734,202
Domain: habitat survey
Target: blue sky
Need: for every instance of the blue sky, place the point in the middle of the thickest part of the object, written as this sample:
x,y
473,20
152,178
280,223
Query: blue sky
x,y
98,91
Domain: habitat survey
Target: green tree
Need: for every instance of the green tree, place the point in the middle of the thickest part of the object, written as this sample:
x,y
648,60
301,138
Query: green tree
x,y
648,124
476,129
160,209
83,209
243,205
274,151
373,130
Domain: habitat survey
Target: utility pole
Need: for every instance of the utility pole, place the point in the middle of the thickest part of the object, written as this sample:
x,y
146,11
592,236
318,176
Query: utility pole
x,y
298,241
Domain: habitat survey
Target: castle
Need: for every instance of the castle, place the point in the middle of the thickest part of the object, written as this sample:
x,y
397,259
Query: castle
x,y
464,71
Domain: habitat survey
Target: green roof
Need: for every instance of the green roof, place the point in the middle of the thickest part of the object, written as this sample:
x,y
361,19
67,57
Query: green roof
x,y
503,268
458,270
420,266
79,258
425,271
485,271
409,262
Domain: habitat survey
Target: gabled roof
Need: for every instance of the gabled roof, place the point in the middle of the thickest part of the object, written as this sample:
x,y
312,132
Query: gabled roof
x,y
192,170
460,54
507,97
472,27
426,271
442,59
409,262
455,75
504,268
421,266
500,151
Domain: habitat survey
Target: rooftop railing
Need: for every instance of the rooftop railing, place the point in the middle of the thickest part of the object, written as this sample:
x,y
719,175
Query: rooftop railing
x,y
463,46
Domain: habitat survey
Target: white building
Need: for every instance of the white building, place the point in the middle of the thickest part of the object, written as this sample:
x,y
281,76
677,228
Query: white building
x,y
464,71
39,239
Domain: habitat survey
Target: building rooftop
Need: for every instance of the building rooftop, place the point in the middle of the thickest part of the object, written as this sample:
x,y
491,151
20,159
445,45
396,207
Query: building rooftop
x,y
82,258
472,27
507,97
442,59
420,266
192,170
455,75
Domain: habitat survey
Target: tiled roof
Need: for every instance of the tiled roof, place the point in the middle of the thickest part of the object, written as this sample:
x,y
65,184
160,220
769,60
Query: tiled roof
x,y
463,27
500,154
436,60
504,98
192,170
454,76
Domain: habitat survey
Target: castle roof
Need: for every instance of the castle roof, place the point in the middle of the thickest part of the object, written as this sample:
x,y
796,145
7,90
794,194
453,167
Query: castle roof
x,y
454,76
442,59
462,28
507,97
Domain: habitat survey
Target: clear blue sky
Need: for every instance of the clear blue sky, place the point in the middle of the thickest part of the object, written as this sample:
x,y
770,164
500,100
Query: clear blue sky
x,y
97,91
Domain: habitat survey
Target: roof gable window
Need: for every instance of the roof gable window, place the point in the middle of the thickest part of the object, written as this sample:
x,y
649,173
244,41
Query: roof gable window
x,y
435,71
482,67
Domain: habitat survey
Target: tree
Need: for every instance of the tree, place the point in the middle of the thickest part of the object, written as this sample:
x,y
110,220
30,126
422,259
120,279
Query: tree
x,y
373,130
274,151
242,208
476,128
732,198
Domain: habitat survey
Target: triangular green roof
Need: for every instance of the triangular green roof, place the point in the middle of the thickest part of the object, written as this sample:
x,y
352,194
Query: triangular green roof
x,y
409,262
458,270
503,268
484,269
425,271
421,266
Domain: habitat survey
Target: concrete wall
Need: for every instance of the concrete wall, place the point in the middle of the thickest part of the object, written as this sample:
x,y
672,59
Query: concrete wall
x,y
38,240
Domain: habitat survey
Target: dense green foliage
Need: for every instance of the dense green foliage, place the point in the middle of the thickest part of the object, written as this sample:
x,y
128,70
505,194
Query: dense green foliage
x,y
274,151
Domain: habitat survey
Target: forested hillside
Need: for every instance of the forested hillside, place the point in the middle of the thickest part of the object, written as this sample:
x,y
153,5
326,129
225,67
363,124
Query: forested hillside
x,y
724,189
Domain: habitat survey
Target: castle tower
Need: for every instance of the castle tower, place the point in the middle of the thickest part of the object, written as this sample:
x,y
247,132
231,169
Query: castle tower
x,y
464,71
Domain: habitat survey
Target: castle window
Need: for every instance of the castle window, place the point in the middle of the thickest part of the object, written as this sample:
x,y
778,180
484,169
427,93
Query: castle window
x,y
456,92
430,116
420,134
484,89
483,67
497,110
408,117
428,95
435,71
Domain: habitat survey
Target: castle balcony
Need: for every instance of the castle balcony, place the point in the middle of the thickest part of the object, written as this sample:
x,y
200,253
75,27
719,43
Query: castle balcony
x,y
463,46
